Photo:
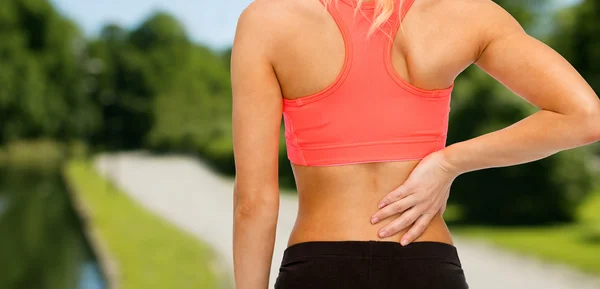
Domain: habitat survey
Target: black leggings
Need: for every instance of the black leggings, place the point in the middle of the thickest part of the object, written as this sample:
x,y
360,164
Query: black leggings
x,y
370,265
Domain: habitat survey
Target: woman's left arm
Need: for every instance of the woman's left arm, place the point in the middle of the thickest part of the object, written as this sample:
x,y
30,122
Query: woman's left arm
x,y
569,117
256,122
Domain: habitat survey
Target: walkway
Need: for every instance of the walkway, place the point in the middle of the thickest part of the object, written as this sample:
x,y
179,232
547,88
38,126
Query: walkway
x,y
187,193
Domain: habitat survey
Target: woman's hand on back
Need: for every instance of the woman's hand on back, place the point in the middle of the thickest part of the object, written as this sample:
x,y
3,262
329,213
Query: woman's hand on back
x,y
423,194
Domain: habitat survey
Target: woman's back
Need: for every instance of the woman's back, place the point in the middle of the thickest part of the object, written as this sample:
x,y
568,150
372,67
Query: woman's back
x,y
373,124
433,46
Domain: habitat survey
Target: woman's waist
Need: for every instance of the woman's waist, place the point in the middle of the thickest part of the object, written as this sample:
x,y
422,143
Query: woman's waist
x,y
332,225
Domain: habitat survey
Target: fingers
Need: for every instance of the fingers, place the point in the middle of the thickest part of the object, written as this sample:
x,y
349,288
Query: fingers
x,y
400,223
443,208
417,229
397,194
394,208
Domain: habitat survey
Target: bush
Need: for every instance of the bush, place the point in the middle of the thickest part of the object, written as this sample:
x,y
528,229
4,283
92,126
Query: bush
x,y
544,191
36,154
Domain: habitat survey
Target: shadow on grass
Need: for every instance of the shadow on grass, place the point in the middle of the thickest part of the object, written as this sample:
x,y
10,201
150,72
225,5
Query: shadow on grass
x,y
591,234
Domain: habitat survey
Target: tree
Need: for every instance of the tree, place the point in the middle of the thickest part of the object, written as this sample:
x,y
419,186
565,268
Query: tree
x,y
43,77
577,39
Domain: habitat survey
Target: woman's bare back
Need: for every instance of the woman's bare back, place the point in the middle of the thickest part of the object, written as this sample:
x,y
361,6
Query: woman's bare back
x,y
437,42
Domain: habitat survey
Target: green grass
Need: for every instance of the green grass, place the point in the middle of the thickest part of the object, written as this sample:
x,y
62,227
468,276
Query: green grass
x,y
577,245
149,252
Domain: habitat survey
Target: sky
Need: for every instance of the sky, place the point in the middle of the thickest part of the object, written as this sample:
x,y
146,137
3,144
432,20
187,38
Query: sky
x,y
210,22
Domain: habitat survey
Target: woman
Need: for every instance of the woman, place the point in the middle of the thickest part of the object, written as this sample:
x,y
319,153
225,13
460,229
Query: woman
x,y
364,91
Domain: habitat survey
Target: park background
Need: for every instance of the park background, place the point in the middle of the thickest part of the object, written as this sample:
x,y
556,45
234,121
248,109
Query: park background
x,y
88,86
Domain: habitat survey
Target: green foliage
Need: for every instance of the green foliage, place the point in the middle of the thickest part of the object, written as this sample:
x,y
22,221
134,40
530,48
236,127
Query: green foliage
x,y
160,30
124,91
196,109
577,39
42,154
159,90
43,83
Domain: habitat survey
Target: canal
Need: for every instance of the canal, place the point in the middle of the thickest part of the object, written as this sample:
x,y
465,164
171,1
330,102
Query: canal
x,y
42,245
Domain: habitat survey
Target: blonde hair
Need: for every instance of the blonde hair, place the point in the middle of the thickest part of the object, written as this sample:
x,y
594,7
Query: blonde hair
x,y
383,10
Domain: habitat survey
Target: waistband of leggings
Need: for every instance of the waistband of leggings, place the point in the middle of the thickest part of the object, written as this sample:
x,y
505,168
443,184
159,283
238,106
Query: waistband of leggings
x,y
371,248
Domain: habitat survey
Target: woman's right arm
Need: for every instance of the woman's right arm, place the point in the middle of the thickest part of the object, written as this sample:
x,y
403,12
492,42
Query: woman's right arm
x,y
256,123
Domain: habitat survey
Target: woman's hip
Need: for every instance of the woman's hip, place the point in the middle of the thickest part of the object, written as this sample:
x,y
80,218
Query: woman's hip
x,y
370,264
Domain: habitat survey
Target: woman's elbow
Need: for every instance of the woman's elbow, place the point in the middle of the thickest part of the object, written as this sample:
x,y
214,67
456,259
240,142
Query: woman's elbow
x,y
256,209
592,125
595,131
256,203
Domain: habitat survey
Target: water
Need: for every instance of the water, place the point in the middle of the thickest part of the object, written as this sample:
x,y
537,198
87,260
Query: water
x,y
41,242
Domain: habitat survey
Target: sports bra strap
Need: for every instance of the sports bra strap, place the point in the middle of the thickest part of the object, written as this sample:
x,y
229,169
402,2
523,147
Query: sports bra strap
x,y
406,4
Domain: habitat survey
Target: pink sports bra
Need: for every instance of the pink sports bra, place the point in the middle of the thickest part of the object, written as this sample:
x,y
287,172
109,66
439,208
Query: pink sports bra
x,y
369,113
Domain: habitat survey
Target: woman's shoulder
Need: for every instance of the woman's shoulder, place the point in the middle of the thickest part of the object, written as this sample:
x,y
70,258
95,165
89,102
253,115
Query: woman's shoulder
x,y
273,22
279,12
472,23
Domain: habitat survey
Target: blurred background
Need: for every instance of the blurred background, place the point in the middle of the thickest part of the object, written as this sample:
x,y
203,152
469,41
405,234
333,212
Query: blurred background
x,y
116,161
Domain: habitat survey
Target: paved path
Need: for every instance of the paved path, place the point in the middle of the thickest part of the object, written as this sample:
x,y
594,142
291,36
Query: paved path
x,y
187,193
